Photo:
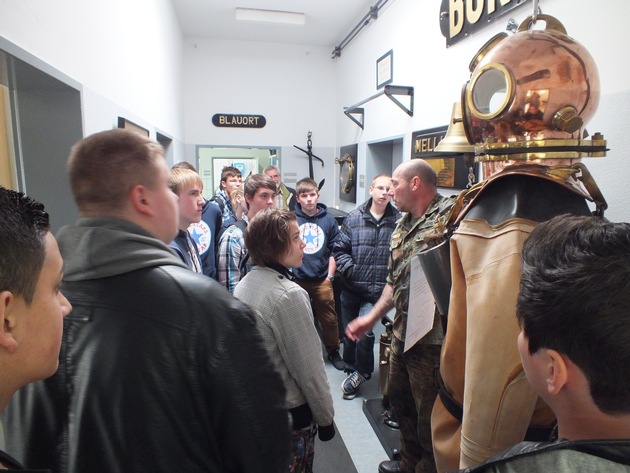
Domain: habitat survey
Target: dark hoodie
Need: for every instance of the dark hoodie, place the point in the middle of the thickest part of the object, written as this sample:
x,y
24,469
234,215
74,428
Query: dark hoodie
x,y
206,234
319,232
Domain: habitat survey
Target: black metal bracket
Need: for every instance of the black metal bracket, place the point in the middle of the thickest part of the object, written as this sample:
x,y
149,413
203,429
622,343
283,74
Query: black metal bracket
x,y
371,15
391,91
351,112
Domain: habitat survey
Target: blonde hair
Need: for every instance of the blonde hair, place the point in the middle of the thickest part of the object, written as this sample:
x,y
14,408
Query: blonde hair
x,y
182,178
238,192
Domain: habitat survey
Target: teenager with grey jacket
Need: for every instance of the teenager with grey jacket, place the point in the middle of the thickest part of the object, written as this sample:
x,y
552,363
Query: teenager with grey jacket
x,y
285,321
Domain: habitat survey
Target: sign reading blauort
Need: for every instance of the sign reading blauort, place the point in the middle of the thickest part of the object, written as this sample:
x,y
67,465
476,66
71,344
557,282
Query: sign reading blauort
x,y
238,121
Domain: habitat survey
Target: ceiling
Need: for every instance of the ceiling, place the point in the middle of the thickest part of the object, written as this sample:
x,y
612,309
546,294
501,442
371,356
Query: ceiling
x,y
328,22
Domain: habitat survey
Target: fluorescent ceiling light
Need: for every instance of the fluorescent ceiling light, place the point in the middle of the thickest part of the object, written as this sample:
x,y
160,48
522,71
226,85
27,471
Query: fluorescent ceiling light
x,y
270,16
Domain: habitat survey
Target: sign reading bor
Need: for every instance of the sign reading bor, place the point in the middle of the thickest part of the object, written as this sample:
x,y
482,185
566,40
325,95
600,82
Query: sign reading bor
x,y
460,18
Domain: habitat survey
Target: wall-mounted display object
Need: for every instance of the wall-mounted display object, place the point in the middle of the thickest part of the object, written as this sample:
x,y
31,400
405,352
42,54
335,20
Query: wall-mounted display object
x,y
347,173
450,168
385,69
131,126
311,156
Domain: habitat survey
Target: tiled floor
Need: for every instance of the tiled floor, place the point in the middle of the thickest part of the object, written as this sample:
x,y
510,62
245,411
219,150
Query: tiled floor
x,y
356,447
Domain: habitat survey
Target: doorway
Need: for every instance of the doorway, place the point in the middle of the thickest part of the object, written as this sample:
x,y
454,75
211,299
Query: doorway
x,y
249,160
8,170
382,158
41,121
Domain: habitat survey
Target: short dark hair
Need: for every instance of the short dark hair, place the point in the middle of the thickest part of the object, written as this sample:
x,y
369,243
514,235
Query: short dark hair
x,y
306,185
267,236
229,171
23,226
255,182
575,298
105,166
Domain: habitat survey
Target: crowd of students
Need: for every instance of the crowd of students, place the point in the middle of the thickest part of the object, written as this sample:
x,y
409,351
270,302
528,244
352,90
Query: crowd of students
x,y
159,368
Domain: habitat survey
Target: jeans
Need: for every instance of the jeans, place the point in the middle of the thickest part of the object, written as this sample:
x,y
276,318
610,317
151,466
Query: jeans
x,y
360,354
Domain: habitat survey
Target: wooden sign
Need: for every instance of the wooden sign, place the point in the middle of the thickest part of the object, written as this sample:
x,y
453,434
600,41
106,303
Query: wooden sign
x,y
238,121
460,18
423,142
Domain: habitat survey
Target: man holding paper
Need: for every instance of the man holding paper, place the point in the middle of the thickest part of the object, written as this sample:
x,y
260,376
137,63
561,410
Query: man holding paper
x,y
418,333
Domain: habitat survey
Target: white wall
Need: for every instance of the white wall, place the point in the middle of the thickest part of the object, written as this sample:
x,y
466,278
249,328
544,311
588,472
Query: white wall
x,y
125,54
131,60
292,86
421,59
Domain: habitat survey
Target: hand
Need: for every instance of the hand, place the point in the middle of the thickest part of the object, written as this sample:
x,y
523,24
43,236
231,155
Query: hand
x,y
358,328
326,433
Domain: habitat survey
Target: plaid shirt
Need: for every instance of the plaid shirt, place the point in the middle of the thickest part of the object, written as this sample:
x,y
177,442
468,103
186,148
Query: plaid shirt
x,y
233,261
223,201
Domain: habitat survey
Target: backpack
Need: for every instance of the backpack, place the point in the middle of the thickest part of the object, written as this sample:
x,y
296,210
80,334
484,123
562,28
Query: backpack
x,y
219,202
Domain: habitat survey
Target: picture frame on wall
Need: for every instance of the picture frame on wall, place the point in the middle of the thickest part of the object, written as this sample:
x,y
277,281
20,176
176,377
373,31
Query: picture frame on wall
x,y
385,69
131,126
451,171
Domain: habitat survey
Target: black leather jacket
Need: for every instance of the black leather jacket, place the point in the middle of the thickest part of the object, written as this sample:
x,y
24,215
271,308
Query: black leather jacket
x,y
11,464
161,370
560,456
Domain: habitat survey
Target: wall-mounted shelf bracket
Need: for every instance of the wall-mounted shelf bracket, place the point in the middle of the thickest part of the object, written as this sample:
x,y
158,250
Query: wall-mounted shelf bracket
x,y
390,91
356,114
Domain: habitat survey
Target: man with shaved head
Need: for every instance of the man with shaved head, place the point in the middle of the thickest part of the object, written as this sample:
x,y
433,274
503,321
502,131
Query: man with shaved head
x,y
411,386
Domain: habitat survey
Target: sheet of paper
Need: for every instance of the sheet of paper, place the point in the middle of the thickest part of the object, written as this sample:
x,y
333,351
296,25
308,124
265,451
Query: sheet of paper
x,y
420,314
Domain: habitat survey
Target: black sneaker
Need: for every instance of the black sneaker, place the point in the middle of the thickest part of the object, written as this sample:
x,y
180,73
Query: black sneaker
x,y
350,385
335,358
